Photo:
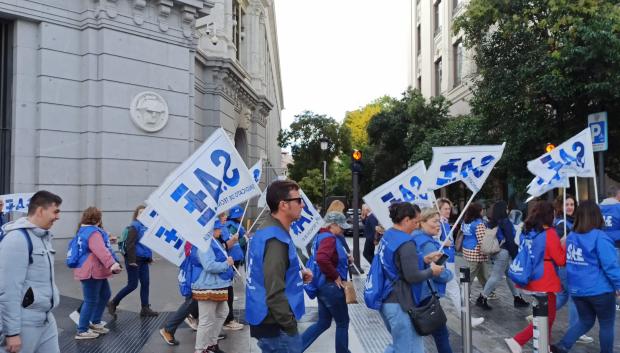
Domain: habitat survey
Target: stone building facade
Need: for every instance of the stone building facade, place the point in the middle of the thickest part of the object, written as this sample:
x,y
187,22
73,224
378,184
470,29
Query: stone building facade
x,y
101,99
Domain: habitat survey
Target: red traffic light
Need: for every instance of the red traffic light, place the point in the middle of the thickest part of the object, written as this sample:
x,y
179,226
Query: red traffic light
x,y
357,155
550,147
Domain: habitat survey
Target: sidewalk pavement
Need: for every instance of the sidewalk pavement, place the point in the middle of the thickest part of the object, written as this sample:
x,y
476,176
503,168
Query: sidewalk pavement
x,y
367,333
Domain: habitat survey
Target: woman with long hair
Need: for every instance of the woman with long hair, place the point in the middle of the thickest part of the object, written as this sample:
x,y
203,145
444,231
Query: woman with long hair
x,y
547,253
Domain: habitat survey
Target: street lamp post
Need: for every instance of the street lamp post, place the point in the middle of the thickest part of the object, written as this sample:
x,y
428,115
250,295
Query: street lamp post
x,y
324,147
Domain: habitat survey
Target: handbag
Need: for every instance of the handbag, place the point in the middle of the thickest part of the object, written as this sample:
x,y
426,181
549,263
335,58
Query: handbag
x,y
490,244
429,317
349,291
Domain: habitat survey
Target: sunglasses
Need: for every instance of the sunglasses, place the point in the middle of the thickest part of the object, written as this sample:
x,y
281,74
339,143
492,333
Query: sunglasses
x,y
298,199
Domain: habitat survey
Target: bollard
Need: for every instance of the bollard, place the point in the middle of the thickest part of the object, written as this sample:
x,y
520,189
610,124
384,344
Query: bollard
x,y
541,324
465,280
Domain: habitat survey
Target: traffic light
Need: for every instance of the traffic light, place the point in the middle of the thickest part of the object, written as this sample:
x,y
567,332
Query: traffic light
x,y
356,161
550,147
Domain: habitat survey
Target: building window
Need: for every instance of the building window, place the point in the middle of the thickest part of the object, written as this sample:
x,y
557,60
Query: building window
x,y
419,83
457,49
438,17
6,72
456,5
438,77
418,40
237,26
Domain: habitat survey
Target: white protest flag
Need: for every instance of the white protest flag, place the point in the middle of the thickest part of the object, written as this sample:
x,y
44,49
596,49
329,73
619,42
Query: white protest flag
x,y
305,228
161,237
574,157
16,202
538,186
262,200
212,180
470,164
407,186
257,170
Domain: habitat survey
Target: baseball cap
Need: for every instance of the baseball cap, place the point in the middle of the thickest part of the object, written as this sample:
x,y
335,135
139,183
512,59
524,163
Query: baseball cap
x,y
336,218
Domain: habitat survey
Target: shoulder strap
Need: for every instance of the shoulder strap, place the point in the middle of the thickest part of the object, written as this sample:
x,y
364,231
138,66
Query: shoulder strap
x,y
29,240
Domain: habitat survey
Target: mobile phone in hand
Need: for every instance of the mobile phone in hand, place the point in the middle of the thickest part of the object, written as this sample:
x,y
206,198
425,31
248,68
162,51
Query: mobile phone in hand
x,y
441,260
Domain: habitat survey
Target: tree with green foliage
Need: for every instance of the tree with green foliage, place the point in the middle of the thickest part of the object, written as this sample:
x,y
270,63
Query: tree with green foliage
x,y
304,138
543,66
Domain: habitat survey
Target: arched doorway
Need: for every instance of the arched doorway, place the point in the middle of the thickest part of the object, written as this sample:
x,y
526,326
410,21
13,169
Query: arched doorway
x,y
241,144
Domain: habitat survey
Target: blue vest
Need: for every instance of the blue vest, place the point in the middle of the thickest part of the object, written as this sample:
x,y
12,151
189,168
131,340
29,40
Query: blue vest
x,y
537,252
84,234
189,271
469,234
500,231
141,249
229,230
343,259
220,256
256,302
611,215
421,238
449,250
390,242
586,274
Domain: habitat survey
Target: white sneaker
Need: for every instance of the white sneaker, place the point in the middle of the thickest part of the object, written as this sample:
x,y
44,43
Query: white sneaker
x,y
585,339
476,321
233,325
513,346
191,322
75,317
492,296
99,328
529,318
88,335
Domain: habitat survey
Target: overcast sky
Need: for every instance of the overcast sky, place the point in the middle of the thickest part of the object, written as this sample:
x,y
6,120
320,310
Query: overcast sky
x,y
338,55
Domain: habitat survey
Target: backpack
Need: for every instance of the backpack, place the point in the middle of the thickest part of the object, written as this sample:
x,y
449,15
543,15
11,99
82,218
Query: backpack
x,y
522,268
122,241
373,289
25,234
312,288
75,252
490,244
188,275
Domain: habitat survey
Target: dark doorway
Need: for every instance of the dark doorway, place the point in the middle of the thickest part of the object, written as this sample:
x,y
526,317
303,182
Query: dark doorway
x,y
6,73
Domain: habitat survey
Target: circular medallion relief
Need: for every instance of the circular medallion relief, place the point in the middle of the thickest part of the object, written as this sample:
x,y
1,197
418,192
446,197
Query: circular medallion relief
x,y
149,111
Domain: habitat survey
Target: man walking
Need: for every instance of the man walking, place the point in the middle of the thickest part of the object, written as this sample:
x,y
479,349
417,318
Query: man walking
x,y
274,291
28,293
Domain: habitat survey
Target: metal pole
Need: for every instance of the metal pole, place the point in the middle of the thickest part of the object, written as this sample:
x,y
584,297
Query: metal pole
x,y
577,190
324,210
356,221
541,324
601,172
449,236
465,280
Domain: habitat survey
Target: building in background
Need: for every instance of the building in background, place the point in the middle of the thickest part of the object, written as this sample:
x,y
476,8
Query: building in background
x,y
438,62
101,99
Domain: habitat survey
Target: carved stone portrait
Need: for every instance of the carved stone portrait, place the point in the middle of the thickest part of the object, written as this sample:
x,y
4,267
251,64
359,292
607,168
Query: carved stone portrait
x,y
149,111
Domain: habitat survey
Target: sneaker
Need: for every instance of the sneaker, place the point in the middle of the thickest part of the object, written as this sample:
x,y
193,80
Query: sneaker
x,y
233,325
75,317
492,296
585,339
482,302
529,318
88,335
513,346
476,321
99,328
148,312
168,337
112,309
191,322
221,336
519,302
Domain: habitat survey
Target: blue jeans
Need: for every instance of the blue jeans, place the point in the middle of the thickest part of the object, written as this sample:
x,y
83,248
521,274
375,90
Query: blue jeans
x,y
283,343
332,304
189,306
404,337
589,309
501,262
96,295
135,274
563,298
442,340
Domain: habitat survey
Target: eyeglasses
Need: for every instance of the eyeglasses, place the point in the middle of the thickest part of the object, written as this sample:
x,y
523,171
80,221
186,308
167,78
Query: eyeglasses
x,y
298,199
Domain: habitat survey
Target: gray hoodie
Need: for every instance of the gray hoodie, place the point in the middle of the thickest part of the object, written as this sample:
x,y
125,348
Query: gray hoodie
x,y
17,275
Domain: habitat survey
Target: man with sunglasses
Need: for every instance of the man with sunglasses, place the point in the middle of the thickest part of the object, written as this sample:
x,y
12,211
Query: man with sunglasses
x,y
274,291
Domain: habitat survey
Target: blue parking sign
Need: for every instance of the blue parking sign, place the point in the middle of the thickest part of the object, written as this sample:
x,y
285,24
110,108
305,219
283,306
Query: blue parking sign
x,y
598,126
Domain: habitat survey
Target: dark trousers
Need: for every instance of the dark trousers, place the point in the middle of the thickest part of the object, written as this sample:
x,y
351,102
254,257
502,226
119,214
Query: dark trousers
x,y
189,306
231,299
135,274
369,249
